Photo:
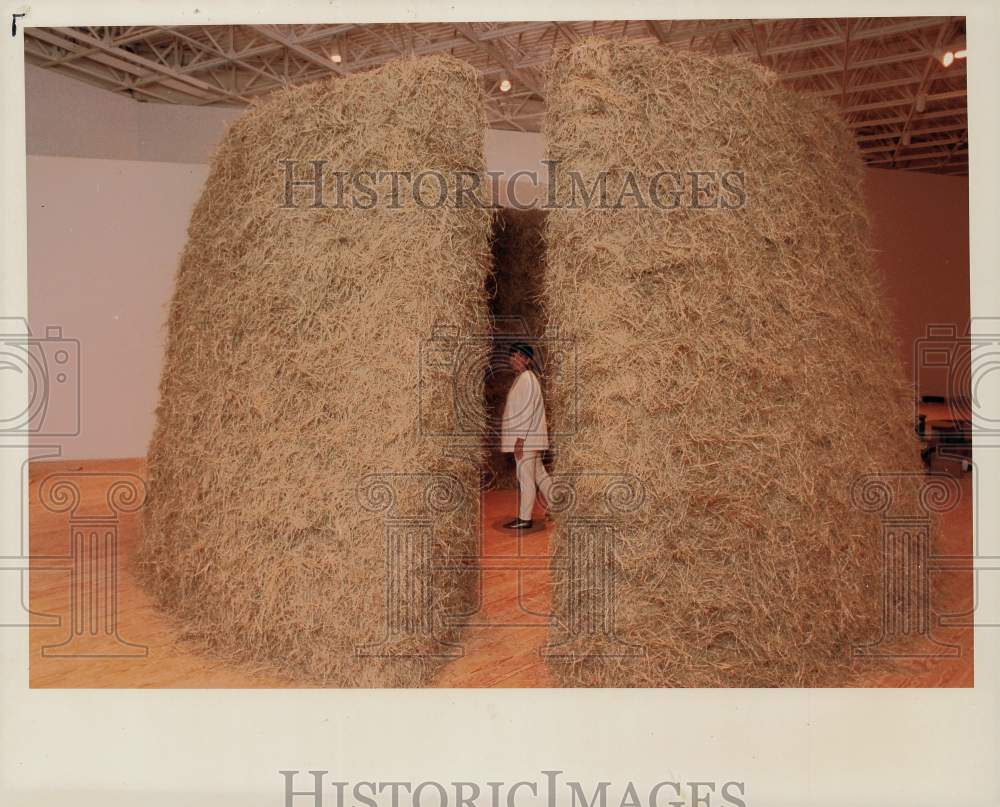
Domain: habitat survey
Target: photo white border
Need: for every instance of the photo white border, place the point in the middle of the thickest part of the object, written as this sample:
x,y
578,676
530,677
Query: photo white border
x,y
796,747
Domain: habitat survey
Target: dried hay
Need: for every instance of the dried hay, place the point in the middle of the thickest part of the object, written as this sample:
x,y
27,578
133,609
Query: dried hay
x,y
514,291
292,374
738,362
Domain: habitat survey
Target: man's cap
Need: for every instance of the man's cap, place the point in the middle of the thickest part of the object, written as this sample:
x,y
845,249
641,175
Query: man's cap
x,y
523,348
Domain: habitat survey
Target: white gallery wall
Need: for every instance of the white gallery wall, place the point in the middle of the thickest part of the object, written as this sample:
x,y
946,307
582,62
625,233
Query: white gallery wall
x,y
104,239
112,182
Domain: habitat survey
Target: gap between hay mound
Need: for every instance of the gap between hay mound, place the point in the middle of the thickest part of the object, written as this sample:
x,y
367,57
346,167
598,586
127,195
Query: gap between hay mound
x,y
739,362
291,374
514,292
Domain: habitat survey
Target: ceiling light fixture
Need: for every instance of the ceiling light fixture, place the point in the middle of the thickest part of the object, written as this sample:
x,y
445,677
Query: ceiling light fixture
x,y
955,51
505,85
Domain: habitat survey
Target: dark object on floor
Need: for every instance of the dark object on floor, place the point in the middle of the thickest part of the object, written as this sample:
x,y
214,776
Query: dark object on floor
x,y
947,439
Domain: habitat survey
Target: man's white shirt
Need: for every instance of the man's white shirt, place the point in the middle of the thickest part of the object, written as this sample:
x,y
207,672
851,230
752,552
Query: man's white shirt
x,y
524,415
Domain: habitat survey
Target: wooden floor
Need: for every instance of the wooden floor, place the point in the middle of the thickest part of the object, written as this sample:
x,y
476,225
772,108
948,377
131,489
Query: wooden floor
x,y
502,643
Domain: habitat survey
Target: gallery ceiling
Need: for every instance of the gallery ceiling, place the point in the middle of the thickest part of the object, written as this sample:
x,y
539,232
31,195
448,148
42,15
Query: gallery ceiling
x,y
900,82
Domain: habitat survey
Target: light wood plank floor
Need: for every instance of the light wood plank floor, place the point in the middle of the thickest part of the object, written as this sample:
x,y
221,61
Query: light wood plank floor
x,y
501,648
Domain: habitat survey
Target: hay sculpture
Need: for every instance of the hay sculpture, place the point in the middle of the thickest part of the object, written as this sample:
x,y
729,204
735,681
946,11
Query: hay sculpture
x,y
291,377
738,362
514,291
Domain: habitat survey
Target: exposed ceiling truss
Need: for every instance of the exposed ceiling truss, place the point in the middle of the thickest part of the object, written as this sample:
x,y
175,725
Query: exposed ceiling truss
x,y
907,109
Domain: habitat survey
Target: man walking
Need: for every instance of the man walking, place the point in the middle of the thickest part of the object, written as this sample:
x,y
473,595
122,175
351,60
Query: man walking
x,y
525,434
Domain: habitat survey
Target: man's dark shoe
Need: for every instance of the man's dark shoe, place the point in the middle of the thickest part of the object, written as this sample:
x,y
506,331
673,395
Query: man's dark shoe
x,y
517,524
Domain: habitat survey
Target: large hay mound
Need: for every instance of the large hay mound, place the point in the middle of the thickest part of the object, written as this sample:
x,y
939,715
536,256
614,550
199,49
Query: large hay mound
x,y
514,290
292,375
738,362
